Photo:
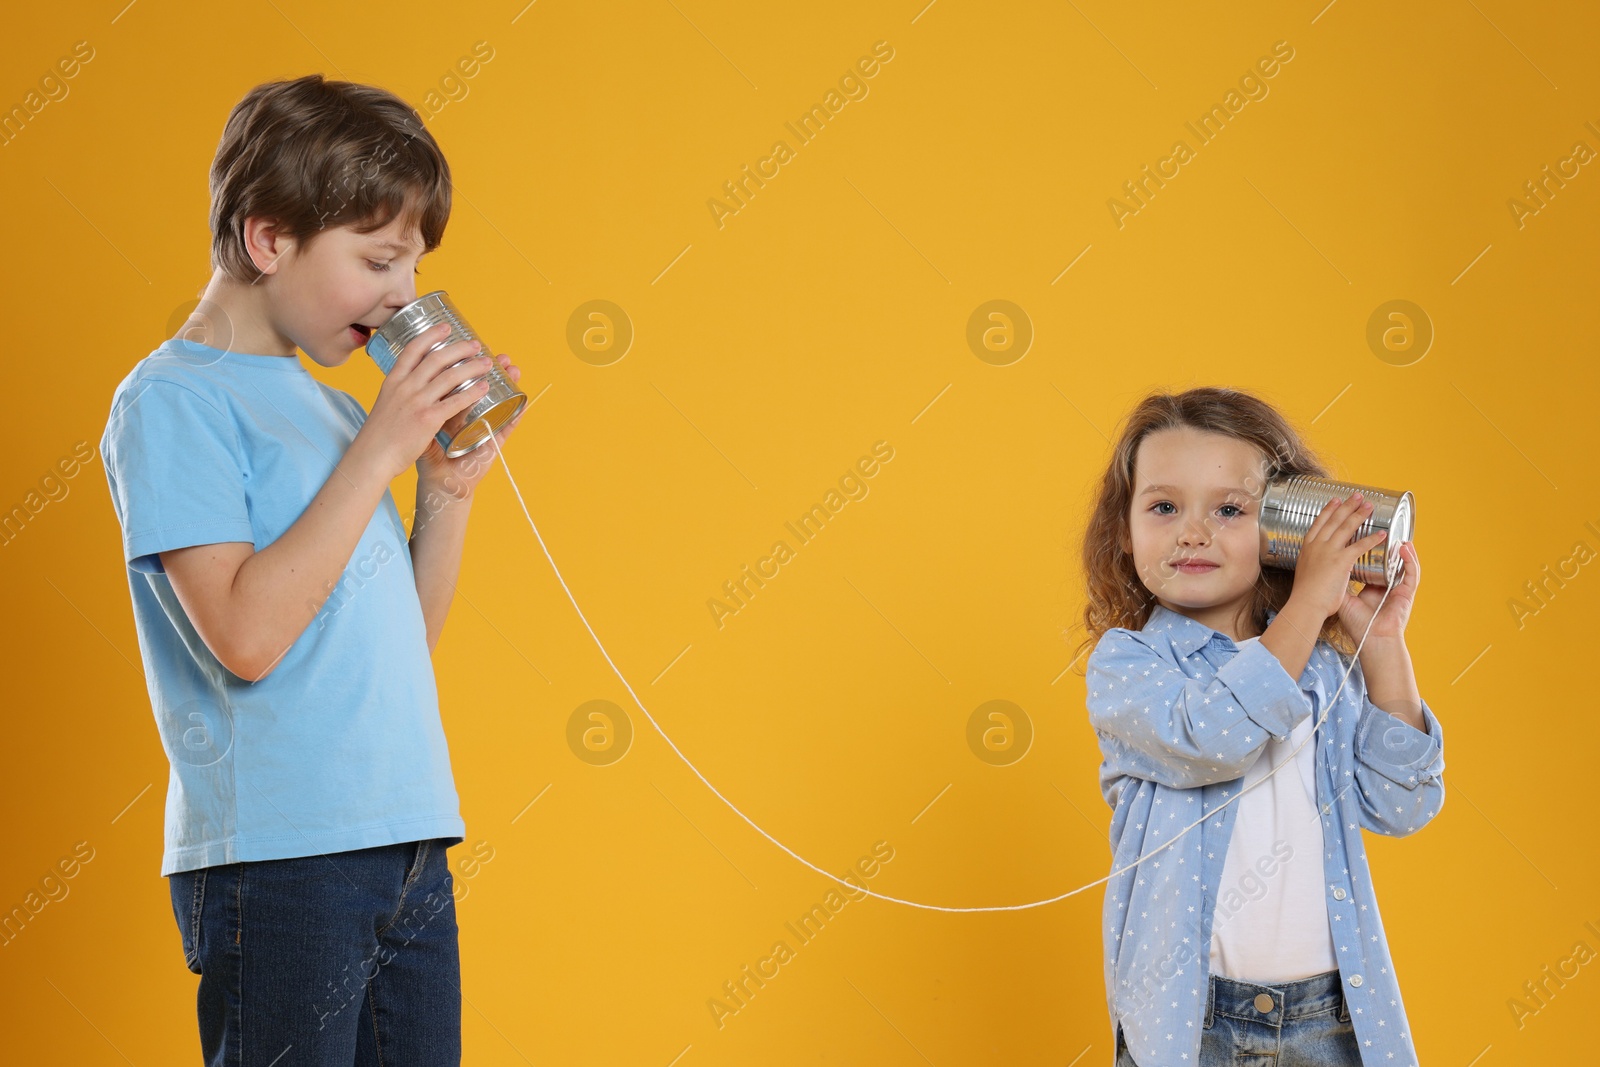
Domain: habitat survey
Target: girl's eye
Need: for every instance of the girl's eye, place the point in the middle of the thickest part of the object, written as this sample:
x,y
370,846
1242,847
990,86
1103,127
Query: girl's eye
x,y
1168,504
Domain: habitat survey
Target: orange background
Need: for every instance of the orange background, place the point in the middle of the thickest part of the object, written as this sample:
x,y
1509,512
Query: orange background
x,y
769,354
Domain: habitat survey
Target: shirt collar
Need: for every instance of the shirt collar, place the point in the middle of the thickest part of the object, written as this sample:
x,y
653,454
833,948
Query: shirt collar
x,y
1187,635
195,354
1190,635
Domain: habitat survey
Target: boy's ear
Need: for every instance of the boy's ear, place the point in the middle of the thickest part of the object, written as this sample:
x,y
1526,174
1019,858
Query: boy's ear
x,y
265,244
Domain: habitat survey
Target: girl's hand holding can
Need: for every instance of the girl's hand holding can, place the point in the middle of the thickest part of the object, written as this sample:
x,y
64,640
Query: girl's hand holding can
x,y
1357,611
1327,555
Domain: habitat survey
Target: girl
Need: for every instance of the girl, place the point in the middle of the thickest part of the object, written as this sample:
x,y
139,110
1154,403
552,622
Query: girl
x,y
1256,933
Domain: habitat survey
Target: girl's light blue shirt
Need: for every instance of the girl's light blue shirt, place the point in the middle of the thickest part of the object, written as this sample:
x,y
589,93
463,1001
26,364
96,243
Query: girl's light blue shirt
x,y
1181,711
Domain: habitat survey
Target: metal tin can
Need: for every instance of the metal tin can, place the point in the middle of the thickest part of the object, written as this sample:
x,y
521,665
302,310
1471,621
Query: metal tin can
x,y
1290,504
470,428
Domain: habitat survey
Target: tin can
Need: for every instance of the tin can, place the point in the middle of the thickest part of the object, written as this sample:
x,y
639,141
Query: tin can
x,y
473,427
1290,504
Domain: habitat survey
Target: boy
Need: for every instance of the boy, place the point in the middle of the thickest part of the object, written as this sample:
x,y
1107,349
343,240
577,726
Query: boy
x,y
284,619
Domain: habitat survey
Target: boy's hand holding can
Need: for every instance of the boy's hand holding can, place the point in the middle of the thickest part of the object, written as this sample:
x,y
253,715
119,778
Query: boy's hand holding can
x,y
417,396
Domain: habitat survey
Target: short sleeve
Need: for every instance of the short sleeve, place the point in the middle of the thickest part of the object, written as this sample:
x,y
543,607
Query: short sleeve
x,y
177,472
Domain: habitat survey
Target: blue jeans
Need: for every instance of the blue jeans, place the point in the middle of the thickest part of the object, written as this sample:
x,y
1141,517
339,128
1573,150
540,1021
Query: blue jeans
x,y
1307,1024
342,960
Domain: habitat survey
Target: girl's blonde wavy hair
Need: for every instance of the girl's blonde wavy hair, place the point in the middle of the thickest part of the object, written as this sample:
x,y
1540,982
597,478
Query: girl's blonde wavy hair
x,y
1116,596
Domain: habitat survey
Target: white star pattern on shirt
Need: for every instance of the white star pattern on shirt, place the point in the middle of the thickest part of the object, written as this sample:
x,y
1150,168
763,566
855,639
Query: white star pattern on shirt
x,y
1171,669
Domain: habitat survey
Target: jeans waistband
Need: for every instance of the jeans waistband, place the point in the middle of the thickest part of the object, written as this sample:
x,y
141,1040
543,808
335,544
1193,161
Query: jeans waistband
x,y
1289,1000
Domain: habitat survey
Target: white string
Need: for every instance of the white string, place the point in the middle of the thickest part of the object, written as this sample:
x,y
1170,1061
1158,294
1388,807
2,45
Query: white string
x,y
828,874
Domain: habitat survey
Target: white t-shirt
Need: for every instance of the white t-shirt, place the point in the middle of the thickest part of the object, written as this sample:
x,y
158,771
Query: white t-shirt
x,y
1271,922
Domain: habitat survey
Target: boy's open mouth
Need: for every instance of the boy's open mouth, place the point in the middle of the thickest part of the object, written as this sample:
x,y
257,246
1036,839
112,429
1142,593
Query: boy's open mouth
x,y
362,333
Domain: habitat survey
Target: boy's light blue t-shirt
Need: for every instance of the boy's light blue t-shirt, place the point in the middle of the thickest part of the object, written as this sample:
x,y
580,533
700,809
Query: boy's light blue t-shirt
x,y
340,746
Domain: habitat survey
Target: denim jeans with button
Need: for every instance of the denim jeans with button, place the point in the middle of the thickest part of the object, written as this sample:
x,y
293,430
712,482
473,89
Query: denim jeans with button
x,y
345,959
1305,1023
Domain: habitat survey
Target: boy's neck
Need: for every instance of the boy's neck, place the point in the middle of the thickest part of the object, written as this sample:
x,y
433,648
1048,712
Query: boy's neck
x,y
235,317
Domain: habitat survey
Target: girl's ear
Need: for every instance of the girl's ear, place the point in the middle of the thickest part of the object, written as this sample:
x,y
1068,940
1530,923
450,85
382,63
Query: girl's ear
x,y
266,243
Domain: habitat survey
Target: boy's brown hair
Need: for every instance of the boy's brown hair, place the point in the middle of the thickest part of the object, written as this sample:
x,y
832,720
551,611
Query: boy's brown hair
x,y
310,154
1116,596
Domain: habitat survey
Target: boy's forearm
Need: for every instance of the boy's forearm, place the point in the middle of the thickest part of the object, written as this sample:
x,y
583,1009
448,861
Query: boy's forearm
x,y
438,535
277,591
1392,680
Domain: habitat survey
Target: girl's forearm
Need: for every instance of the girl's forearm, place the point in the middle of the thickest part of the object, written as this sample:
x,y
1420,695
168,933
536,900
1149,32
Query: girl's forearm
x,y
1391,679
1292,636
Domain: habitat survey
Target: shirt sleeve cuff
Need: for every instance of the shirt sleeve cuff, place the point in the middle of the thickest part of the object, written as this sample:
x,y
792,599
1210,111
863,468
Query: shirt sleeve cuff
x,y
1396,749
1264,689
142,549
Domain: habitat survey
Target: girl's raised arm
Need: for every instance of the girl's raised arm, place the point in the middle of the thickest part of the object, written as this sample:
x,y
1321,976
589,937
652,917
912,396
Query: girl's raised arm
x,y
1155,722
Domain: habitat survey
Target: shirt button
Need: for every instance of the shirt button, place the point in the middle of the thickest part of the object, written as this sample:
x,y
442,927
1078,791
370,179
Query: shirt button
x,y
1263,1002
1338,893
1355,979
